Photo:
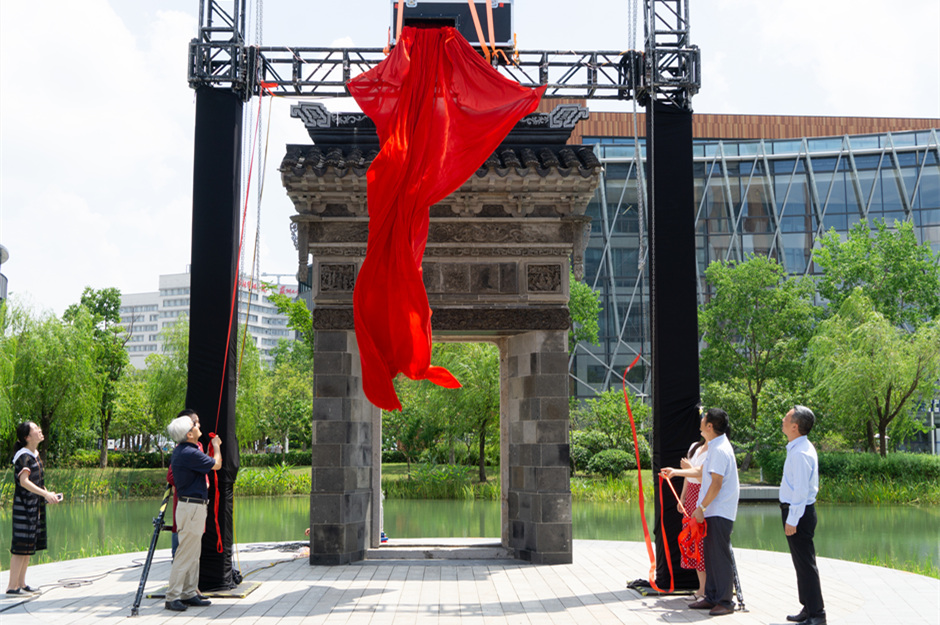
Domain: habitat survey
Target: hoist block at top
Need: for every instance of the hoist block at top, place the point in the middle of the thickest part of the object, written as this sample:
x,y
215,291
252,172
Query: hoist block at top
x,y
457,13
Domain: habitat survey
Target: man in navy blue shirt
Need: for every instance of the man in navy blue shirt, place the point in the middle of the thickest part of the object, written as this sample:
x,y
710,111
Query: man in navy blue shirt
x,y
798,489
190,467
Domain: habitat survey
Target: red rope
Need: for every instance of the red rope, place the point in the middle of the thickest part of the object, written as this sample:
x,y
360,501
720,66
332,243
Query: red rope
x,y
675,494
241,240
639,477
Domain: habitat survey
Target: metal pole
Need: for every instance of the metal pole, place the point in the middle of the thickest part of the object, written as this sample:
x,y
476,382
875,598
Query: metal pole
x,y
737,583
933,431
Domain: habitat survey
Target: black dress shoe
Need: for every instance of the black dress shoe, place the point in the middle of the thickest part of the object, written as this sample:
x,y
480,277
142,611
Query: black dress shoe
x,y
819,619
176,606
702,604
720,610
798,618
197,600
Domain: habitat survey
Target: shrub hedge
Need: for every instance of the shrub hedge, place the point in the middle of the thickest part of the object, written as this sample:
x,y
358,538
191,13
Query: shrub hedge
x,y
579,457
393,455
296,458
88,459
611,462
899,467
594,442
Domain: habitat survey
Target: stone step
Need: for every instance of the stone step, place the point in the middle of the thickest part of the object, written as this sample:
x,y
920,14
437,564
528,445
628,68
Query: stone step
x,y
471,549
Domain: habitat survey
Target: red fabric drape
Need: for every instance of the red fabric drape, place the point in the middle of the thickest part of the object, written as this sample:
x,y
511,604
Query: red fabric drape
x,y
440,111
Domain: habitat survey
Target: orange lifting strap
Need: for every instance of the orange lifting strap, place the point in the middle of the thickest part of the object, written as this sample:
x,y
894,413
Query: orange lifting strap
x,y
479,29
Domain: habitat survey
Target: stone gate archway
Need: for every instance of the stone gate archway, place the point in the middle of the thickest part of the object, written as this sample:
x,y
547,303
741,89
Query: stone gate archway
x,y
495,269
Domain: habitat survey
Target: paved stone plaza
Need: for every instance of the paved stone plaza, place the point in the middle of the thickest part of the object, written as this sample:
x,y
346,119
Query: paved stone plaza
x,y
589,591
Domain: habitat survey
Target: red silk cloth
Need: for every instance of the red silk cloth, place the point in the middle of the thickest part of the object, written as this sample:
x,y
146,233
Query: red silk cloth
x,y
440,111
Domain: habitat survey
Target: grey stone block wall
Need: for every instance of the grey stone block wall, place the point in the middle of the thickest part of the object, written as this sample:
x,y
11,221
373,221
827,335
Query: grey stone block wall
x,y
536,413
342,458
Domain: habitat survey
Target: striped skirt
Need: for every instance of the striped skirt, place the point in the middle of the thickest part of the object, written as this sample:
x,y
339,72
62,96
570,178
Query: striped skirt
x,y
29,523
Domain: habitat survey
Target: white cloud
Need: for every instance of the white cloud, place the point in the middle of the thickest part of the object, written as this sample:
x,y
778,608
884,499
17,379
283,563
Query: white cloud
x,y
93,167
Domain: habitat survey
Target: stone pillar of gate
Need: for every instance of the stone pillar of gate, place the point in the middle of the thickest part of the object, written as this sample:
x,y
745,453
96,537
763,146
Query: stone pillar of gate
x,y
341,486
535,410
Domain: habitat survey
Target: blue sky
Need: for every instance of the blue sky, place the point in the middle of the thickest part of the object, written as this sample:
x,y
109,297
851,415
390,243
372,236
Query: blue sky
x,y
96,117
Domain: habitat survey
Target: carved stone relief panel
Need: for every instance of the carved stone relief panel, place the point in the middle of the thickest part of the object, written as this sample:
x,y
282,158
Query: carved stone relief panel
x,y
337,277
544,278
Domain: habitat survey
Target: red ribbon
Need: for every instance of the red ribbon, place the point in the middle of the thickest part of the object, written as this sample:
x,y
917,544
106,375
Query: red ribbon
x,y
639,477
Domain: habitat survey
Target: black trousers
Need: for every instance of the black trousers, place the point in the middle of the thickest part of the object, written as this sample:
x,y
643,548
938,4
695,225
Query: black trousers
x,y
803,552
719,571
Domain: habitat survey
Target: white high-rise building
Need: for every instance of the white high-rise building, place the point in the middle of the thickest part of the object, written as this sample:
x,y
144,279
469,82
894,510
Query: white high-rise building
x,y
144,315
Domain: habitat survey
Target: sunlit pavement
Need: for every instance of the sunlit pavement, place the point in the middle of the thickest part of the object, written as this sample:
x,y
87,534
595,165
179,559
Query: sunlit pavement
x,y
449,592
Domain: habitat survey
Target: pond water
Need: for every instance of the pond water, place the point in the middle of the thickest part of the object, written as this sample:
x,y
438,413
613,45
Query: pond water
x,y
856,532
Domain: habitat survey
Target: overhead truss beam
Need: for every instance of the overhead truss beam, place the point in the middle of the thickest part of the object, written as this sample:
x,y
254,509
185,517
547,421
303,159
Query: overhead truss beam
x,y
218,57
324,72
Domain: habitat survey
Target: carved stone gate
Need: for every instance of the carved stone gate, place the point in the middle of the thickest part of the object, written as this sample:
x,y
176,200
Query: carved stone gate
x,y
495,269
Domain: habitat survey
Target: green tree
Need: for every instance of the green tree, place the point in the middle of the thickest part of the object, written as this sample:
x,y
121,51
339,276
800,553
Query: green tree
x,y
584,304
8,344
133,414
167,373
55,383
111,359
777,397
288,404
298,315
250,392
872,370
607,414
414,428
473,409
756,327
899,276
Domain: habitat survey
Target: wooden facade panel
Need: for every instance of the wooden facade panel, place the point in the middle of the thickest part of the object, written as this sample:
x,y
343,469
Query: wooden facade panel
x,y
713,126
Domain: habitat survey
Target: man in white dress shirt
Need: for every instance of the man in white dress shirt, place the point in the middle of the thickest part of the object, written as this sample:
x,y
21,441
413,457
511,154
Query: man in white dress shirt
x,y
798,489
718,504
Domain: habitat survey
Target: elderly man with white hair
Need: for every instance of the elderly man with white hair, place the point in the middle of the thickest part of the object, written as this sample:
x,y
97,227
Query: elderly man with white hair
x,y
190,466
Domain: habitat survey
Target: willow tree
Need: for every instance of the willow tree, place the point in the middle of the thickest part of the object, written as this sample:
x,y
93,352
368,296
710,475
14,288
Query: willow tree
x,y
55,382
109,338
167,373
872,370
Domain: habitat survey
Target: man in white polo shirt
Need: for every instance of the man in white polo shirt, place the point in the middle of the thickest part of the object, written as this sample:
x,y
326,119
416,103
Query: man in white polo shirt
x,y
718,505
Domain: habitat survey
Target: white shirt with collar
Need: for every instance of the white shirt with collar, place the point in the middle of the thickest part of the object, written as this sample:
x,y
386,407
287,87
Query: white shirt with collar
x,y
800,483
720,460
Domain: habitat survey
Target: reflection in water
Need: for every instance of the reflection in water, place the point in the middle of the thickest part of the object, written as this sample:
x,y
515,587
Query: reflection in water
x,y
900,533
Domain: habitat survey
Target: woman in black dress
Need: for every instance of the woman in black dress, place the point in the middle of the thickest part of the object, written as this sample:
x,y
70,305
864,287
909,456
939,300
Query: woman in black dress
x,y
29,505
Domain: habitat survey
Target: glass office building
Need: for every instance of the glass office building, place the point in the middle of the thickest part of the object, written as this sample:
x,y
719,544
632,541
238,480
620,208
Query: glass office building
x,y
773,197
